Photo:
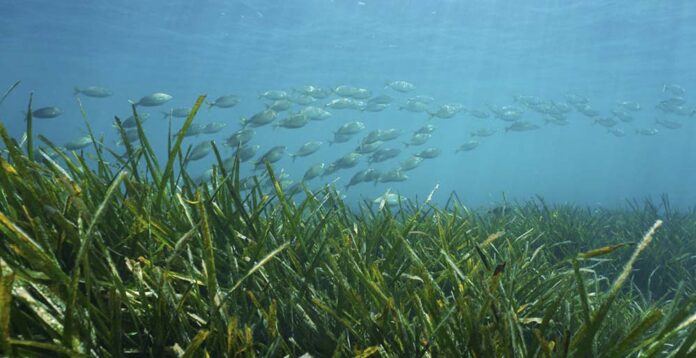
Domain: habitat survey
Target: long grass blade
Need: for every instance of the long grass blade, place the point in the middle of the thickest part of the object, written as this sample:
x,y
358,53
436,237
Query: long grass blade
x,y
177,145
30,130
8,91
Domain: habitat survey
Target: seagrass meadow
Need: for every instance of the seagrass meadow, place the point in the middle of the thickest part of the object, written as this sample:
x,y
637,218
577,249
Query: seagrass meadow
x,y
124,256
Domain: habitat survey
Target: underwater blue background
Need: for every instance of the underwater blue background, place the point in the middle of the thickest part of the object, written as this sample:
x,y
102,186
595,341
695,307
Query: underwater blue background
x,y
470,52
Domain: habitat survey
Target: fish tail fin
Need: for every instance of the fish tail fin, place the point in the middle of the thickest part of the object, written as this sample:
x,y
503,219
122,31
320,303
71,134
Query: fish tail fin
x,y
76,91
293,156
210,105
132,102
243,121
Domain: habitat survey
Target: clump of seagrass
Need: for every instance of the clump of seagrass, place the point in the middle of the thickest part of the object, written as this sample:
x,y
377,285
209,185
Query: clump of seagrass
x,y
131,258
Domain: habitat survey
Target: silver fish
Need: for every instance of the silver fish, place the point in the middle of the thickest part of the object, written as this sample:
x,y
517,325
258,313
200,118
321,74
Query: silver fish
x,y
587,110
427,129
383,154
372,137
274,95
351,128
78,143
306,149
415,107
315,91
507,113
555,120
348,161
315,113
359,177
389,134
395,175
483,132
200,151
152,100
194,130
260,119
346,103
47,112
246,152
673,89
214,127
429,153
467,146
481,114
374,107
630,105
666,123
647,131
181,112
389,199
131,135
381,99
93,91
400,86
345,91
227,101
446,111
410,163
606,122
576,99
280,105
313,172
418,139
617,132
240,137
130,121
422,99
521,127
296,120
362,93
367,148
622,115
301,99
272,155
340,138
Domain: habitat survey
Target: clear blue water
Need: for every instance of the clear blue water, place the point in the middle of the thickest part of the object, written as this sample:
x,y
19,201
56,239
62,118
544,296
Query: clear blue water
x,y
469,52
